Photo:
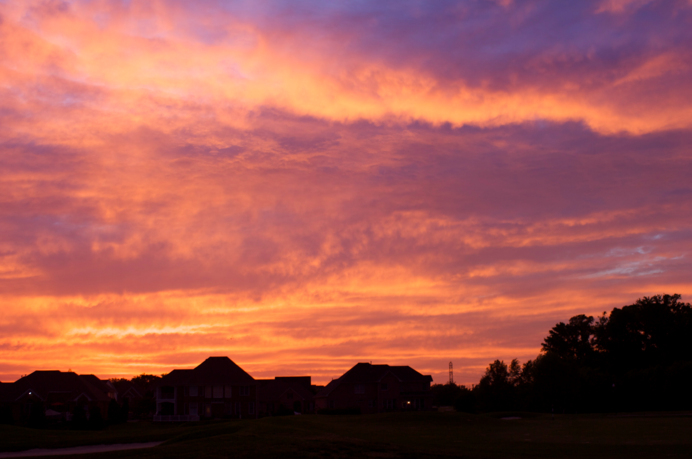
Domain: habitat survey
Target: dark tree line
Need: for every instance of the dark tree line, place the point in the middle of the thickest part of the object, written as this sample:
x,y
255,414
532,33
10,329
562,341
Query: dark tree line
x,y
637,358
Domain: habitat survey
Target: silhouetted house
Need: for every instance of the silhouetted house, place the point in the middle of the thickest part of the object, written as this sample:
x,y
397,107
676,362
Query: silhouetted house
x,y
286,395
56,394
217,388
368,388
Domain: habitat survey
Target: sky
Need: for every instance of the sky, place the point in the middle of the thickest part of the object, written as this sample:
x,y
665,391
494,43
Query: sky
x,y
306,185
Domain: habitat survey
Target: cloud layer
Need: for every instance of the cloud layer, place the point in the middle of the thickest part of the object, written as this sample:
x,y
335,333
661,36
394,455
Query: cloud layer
x,y
305,187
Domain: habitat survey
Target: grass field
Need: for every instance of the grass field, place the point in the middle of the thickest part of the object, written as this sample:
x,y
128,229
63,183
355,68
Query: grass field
x,y
400,435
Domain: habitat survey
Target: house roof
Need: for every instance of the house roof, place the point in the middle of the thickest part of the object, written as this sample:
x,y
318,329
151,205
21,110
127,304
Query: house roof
x,y
304,380
175,378
274,389
326,390
45,382
364,373
214,370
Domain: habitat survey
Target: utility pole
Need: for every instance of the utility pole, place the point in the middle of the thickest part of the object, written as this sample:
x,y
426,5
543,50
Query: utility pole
x,y
451,373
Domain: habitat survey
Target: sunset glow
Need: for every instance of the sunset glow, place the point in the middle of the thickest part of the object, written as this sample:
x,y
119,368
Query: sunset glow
x,y
303,185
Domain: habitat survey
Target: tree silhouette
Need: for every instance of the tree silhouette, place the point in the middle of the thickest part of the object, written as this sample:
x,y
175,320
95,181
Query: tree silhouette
x,y
145,383
655,330
637,358
574,340
497,388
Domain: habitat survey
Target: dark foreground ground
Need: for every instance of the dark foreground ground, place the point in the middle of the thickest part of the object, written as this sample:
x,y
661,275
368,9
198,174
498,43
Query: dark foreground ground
x,y
401,435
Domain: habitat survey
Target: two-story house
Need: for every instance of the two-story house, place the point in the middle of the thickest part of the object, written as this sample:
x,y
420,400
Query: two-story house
x,y
216,388
368,388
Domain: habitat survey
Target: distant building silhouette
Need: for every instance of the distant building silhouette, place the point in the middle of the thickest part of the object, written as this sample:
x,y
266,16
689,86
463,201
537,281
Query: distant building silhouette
x,y
368,388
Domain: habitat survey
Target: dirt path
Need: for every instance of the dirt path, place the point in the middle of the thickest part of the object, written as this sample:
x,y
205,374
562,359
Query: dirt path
x,y
80,450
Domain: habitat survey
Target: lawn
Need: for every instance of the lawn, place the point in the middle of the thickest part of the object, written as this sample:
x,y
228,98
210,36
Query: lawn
x,y
18,438
400,435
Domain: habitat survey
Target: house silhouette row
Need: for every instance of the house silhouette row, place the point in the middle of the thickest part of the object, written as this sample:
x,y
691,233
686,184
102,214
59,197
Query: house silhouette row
x,y
219,388
55,394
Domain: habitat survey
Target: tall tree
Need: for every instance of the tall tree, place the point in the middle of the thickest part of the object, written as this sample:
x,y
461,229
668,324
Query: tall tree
x,y
145,383
655,330
574,340
497,388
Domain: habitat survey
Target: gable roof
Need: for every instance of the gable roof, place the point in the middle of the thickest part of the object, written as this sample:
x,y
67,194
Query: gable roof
x,y
364,373
214,370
